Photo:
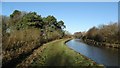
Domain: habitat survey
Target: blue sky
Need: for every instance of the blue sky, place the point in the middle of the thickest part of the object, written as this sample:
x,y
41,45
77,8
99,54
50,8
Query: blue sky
x,y
59,0
78,16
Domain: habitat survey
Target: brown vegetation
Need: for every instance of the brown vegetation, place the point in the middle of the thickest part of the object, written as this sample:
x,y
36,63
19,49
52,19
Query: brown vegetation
x,y
25,32
107,34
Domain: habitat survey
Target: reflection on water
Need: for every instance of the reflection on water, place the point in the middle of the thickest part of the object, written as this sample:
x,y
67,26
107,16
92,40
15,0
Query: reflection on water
x,y
106,56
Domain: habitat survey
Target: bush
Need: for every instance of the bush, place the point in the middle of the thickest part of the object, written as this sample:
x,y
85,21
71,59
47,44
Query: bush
x,y
104,33
20,41
99,38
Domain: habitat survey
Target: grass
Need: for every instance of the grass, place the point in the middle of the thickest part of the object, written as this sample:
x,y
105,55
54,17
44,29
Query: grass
x,y
56,53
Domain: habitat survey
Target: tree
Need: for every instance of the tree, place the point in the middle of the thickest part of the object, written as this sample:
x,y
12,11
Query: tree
x,y
92,32
51,26
15,17
60,25
51,20
30,19
109,32
77,34
104,33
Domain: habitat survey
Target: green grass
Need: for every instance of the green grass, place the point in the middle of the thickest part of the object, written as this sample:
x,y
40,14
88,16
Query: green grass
x,y
57,53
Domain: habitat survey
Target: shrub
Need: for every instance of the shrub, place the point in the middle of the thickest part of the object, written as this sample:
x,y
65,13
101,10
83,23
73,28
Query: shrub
x,y
20,41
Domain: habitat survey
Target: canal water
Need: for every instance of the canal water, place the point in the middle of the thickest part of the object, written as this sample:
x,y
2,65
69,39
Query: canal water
x,y
105,56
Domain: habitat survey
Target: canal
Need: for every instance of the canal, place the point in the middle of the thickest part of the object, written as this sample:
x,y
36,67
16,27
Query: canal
x,y
105,56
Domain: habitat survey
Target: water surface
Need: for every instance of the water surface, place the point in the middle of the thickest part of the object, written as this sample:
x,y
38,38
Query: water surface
x,y
105,56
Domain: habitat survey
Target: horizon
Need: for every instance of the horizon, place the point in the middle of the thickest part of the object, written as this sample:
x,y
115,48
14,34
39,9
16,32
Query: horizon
x,y
77,16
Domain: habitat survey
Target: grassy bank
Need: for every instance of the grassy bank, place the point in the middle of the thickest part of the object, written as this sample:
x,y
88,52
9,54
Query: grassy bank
x,y
56,53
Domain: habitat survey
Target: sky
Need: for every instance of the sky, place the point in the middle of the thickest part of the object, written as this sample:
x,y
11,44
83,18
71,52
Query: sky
x,y
77,16
59,0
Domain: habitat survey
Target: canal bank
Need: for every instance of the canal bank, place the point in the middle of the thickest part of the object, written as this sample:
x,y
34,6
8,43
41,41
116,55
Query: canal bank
x,y
101,44
105,56
56,53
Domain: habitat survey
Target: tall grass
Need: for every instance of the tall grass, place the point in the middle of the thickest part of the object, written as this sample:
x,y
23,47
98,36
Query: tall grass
x,y
19,42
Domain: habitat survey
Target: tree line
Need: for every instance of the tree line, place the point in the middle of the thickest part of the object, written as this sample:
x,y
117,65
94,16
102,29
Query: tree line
x,y
22,32
103,33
